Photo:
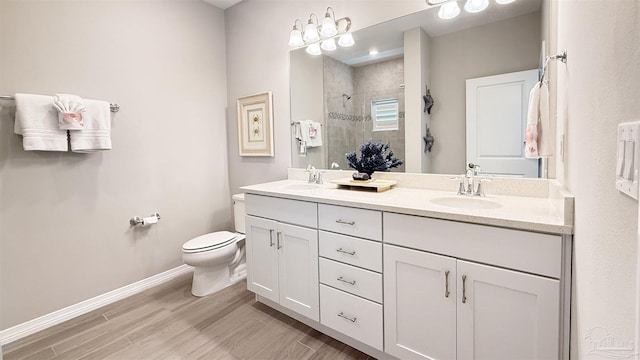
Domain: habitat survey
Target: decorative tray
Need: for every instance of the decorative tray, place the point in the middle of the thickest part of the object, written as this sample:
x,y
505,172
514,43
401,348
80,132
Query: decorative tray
x,y
378,185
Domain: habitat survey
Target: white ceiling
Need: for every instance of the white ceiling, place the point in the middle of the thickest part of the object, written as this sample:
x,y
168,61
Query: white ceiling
x,y
222,4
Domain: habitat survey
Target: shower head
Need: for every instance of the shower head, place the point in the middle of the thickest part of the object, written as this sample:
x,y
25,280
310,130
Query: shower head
x,y
346,96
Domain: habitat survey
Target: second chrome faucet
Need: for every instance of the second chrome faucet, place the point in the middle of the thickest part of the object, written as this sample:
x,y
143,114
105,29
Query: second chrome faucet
x,y
472,178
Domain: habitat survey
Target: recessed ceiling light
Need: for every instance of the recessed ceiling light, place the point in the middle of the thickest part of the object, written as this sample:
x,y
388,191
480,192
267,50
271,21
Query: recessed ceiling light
x,y
373,52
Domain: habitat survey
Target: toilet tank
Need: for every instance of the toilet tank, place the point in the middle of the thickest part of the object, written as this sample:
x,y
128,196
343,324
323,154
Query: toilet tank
x,y
238,212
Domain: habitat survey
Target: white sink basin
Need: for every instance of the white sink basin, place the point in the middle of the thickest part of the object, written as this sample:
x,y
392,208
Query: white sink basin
x,y
464,202
300,187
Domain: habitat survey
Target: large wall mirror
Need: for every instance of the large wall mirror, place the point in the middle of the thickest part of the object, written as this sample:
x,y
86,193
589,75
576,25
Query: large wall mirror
x,y
347,91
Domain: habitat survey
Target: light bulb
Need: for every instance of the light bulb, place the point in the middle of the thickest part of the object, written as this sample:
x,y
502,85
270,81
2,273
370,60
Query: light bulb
x,y
313,49
346,40
449,10
328,45
295,39
311,33
329,28
502,2
474,6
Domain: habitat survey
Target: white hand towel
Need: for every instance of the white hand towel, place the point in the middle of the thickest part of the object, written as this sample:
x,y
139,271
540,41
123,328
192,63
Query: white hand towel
x,y
315,132
537,138
37,122
96,132
70,109
305,130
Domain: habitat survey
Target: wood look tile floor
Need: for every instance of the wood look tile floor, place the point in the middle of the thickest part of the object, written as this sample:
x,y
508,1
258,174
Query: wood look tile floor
x,y
167,322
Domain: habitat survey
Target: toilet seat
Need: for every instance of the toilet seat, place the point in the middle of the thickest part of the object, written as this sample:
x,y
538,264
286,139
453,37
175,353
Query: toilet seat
x,y
210,241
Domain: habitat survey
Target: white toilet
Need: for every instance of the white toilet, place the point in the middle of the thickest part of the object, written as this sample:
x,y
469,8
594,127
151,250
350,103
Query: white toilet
x,y
219,257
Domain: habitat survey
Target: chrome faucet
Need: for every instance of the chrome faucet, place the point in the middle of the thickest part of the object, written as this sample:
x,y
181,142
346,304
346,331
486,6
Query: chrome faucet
x,y
335,165
313,173
473,171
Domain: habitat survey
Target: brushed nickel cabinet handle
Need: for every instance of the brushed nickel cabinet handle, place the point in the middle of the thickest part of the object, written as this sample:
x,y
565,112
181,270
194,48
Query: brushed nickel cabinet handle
x,y
271,237
340,278
340,221
446,284
279,239
341,250
464,289
342,315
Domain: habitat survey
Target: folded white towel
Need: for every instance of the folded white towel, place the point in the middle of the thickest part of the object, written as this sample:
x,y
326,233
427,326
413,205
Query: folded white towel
x,y
537,139
305,129
96,132
37,122
70,109
297,132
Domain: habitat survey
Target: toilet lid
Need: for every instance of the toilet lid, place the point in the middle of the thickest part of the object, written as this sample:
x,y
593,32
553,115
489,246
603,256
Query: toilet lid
x,y
209,241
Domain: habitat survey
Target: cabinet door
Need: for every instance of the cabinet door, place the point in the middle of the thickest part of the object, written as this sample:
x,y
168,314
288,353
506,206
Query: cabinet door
x,y
419,307
504,314
298,268
262,257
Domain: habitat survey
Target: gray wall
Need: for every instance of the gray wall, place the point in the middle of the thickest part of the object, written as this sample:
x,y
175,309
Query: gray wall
x,y
307,85
599,88
502,47
64,217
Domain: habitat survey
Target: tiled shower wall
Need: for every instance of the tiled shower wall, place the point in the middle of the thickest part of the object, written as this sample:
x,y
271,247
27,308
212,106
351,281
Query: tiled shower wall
x,y
348,121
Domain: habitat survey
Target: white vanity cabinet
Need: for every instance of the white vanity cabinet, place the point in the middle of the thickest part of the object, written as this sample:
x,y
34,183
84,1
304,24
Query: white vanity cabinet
x,y
282,258
439,306
350,272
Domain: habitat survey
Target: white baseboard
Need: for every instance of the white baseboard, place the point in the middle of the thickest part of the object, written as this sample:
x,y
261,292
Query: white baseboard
x,y
32,326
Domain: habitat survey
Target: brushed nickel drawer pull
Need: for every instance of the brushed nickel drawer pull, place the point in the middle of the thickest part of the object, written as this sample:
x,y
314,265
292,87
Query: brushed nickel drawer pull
x,y
340,221
271,237
340,278
341,250
279,240
464,289
342,315
446,284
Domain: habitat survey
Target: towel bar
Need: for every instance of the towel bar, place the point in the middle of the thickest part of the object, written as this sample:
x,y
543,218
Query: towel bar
x,y
114,107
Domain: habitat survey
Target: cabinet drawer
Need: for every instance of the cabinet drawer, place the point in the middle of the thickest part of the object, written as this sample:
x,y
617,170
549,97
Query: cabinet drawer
x,y
350,221
353,316
515,249
285,210
364,283
359,252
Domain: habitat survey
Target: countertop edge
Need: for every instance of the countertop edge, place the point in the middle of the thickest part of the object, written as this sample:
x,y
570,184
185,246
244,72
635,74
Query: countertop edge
x,y
556,229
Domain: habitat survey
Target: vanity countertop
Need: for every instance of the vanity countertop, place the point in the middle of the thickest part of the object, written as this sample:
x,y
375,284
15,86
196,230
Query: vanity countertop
x,y
516,212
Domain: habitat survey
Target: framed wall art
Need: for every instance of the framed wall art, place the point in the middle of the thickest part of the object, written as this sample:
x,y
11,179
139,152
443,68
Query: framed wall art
x,y
255,125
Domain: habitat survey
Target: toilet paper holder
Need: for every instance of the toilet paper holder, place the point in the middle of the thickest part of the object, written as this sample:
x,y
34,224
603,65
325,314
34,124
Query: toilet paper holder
x,y
137,220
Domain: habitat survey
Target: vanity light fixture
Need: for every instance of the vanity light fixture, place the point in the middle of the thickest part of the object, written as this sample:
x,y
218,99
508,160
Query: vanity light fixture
x,y
316,37
474,6
450,9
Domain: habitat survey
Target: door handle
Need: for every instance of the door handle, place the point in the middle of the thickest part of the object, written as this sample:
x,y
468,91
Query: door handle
x,y
464,289
340,221
341,250
352,319
271,237
279,240
340,278
446,284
